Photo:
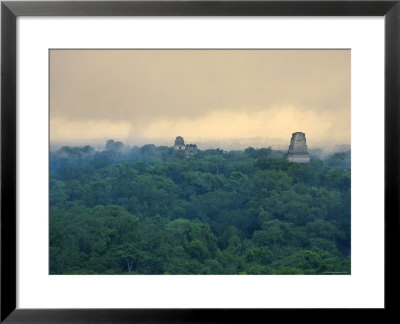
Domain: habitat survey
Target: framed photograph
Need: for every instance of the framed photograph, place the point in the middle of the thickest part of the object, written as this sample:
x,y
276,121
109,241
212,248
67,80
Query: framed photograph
x,y
191,161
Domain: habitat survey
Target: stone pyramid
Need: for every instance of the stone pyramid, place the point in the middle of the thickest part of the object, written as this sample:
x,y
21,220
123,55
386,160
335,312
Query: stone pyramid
x,y
298,151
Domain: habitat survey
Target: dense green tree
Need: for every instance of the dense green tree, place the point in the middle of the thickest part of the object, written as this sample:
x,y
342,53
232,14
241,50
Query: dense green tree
x,y
146,210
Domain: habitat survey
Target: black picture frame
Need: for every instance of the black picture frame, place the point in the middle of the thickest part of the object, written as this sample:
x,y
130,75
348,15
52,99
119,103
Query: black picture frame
x,y
10,10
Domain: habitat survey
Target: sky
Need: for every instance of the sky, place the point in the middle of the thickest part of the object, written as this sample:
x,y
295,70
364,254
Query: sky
x,y
236,98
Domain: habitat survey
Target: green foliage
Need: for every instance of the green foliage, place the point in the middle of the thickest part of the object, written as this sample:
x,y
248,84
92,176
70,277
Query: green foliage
x,y
148,211
339,160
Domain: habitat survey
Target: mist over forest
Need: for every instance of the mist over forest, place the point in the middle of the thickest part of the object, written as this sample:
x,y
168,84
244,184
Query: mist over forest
x,y
319,149
145,209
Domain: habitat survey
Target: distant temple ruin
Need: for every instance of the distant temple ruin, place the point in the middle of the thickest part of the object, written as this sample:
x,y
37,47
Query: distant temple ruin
x,y
179,144
298,151
189,149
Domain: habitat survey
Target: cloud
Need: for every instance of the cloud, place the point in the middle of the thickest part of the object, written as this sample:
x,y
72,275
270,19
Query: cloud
x,y
277,123
219,93
64,130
